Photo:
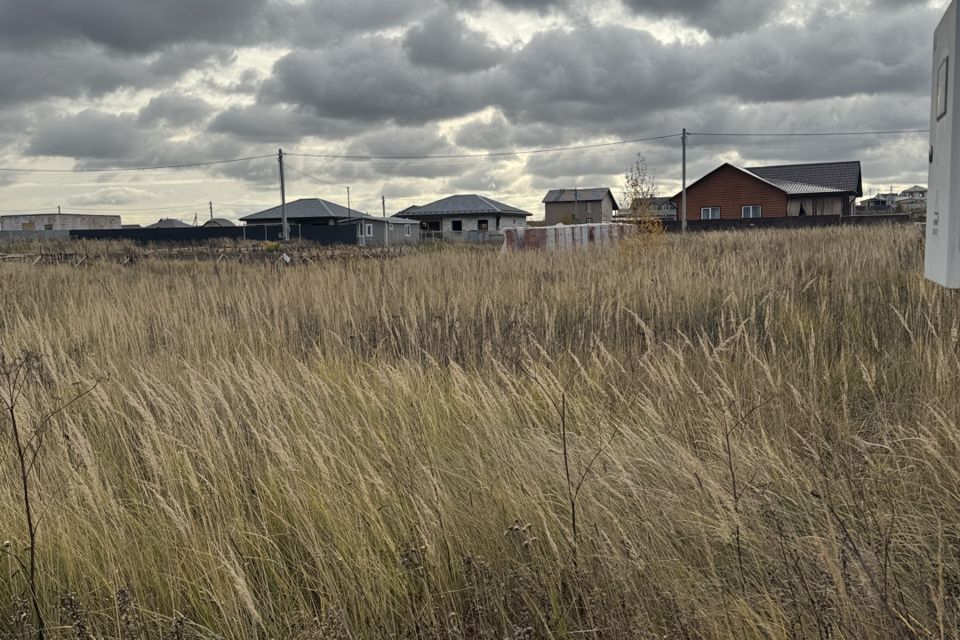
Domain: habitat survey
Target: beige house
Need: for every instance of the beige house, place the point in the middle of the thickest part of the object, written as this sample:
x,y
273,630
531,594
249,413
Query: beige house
x,y
579,206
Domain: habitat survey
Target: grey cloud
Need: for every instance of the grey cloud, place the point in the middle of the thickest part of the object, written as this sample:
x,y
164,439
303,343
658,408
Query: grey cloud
x,y
110,196
718,17
370,79
444,41
91,134
322,22
275,124
174,109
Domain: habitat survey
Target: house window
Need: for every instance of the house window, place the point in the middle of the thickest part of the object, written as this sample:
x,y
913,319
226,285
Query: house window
x,y
482,225
456,226
751,211
406,230
48,227
369,230
710,213
943,84
589,207
589,220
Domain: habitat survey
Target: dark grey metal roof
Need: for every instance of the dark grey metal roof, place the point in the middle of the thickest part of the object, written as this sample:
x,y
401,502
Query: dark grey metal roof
x,y
219,222
580,195
459,205
304,209
816,178
169,223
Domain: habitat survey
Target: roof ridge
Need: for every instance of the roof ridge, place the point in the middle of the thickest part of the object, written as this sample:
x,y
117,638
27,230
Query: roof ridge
x,y
803,164
495,207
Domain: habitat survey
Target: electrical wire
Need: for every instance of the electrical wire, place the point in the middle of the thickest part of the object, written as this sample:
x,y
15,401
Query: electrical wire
x,y
810,134
187,165
307,175
492,154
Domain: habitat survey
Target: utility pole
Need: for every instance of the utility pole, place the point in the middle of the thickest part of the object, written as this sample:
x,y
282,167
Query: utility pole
x,y
683,197
211,209
386,223
58,209
349,208
284,231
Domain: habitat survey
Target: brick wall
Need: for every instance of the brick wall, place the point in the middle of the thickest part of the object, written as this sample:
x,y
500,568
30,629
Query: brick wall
x,y
731,189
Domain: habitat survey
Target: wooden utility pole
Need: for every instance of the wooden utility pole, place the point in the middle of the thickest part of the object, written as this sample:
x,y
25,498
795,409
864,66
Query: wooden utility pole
x,y
284,231
211,209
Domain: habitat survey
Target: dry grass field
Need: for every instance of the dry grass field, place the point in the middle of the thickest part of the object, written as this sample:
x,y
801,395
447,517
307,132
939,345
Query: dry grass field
x,y
739,435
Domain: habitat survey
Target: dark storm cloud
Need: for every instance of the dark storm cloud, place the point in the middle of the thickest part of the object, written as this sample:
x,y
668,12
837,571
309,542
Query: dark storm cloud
x,y
127,25
89,72
274,124
370,79
444,41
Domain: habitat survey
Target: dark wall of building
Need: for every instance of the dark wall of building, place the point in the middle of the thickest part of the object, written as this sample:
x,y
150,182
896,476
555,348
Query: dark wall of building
x,y
324,235
785,223
731,190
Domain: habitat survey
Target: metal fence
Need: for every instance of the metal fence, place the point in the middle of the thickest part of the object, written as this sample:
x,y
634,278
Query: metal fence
x,y
320,234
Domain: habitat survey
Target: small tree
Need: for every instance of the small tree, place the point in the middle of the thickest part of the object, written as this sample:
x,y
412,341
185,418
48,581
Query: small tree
x,y
639,191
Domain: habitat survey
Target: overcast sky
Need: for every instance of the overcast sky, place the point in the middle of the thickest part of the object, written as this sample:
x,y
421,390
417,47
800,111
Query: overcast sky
x,y
126,83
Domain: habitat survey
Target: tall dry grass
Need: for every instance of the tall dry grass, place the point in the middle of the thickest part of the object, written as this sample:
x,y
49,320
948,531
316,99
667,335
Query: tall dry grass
x,y
761,438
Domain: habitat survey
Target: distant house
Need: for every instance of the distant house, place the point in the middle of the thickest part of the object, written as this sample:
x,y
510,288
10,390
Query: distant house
x,y
58,222
660,207
579,206
880,203
730,192
218,223
306,211
912,200
169,223
915,192
384,232
469,217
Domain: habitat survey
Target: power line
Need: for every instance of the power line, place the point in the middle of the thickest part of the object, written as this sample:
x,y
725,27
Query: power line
x,y
167,208
824,134
307,175
188,165
494,154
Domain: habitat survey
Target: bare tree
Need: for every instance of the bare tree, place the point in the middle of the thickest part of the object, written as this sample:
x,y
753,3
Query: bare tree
x,y
639,191
17,375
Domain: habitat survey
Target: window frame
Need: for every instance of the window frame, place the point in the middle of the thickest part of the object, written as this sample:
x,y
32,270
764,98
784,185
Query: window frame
x,y
456,223
368,229
483,224
943,87
753,208
406,229
710,215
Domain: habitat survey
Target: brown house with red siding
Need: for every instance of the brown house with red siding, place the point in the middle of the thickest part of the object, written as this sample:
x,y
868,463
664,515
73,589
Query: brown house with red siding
x,y
732,193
